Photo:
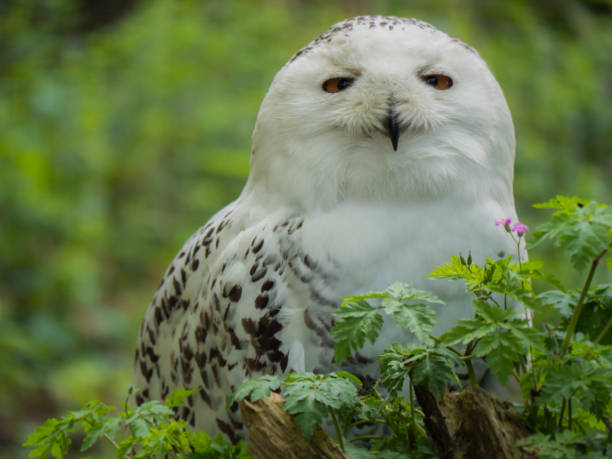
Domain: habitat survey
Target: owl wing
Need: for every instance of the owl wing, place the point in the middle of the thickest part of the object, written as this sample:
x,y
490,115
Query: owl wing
x,y
240,299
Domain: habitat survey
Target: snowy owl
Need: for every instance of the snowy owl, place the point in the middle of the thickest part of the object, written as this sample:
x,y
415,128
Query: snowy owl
x,y
380,149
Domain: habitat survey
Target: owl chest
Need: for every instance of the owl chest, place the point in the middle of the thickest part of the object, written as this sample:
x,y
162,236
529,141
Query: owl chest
x,y
376,246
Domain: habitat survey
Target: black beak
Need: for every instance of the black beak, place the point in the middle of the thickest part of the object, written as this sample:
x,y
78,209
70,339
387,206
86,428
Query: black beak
x,y
392,126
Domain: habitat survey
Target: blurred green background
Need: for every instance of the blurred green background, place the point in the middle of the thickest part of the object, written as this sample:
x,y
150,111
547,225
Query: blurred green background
x,y
125,124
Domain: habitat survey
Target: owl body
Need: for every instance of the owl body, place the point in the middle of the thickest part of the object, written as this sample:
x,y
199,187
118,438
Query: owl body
x,y
363,172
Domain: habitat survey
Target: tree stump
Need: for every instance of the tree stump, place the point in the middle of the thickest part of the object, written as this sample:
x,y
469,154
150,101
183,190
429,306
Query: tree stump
x,y
274,435
472,424
469,424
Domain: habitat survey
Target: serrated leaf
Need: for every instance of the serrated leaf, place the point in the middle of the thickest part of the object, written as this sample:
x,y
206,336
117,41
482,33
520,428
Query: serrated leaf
x,y
467,330
501,355
405,292
92,436
178,396
433,371
139,427
418,318
350,377
430,366
492,313
309,412
561,301
112,426
359,321
309,396
258,388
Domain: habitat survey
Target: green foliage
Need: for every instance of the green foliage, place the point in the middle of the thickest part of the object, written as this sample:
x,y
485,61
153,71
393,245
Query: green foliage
x,y
360,320
565,371
310,397
258,388
430,366
150,430
563,446
580,227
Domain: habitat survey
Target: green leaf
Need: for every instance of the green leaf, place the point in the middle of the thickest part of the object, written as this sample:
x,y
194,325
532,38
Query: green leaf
x,y
545,447
359,321
418,318
139,427
467,330
92,436
581,228
309,396
178,396
561,301
427,365
405,292
502,351
258,388
112,426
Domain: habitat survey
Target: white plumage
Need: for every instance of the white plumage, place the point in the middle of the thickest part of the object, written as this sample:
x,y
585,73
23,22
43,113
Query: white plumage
x,y
402,159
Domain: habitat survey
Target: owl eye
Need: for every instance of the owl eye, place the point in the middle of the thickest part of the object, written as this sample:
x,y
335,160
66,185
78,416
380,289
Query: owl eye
x,y
438,81
337,84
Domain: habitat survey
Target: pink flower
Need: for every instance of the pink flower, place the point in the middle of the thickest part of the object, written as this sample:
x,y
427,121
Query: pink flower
x,y
503,222
520,228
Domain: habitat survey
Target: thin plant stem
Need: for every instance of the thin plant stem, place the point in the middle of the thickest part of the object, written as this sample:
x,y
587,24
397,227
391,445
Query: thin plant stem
x,y
368,421
516,376
561,413
471,373
113,442
569,413
468,363
605,330
336,427
412,418
580,305
364,437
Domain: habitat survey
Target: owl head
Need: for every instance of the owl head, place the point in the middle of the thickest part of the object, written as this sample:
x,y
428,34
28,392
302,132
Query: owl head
x,y
383,109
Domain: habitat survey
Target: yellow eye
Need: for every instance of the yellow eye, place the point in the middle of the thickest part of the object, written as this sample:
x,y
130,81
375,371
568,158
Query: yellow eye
x,y
438,81
337,84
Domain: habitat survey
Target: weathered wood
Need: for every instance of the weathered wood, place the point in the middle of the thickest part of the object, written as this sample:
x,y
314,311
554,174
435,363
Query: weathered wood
x,y
274,435
472,424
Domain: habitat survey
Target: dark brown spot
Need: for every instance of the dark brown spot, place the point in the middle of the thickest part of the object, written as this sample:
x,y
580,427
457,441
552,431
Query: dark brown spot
x,y
259,275
215,354
204,376
234,339
205,397
200,359
187,352
267,285
258,247
146,372
235,293
261,301
200,334
216,375
227,430
177,287
254,365
283,362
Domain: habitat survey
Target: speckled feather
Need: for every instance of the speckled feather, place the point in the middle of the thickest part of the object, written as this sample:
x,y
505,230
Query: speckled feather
x,y
331,209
